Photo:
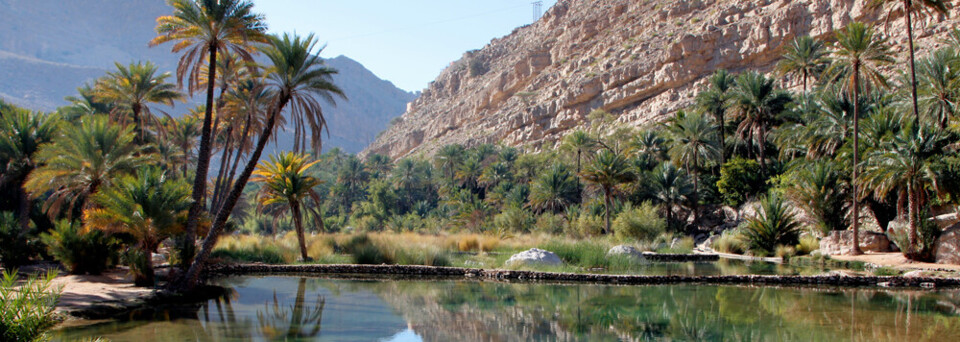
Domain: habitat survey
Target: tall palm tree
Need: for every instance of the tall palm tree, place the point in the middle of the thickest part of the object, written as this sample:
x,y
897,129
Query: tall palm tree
x,y
579,141
378,165
468,174
554,190
286,184
694,145
758,103
909,159
715,101
150,207
449,159
820,189
671,187
22,133
183,132
859,51
133,88
83,159
298,77
908,8
201,29
607,170
940,86
805,57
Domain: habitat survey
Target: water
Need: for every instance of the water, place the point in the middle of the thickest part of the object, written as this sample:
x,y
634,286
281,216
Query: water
x,y
294,308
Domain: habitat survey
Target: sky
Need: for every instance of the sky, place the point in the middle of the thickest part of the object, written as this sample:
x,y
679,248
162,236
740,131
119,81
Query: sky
x,y
407,42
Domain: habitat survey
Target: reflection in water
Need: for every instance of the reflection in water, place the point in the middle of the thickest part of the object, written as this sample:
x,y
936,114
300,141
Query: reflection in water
x,y
288,308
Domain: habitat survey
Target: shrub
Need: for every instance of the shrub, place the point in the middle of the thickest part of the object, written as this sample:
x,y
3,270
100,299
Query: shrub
x,y
589,225
80,252
679,246
730,241
927,234
773,225
785,252
141,266
513,219
739,179
489,243
808,244
369,254
820,190
468,243
249,249
16,248
550,223
27,308
580,253
477,67
886,271
642,223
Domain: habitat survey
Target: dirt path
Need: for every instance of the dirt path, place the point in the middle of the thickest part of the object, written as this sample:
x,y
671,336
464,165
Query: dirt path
x,y
111,289
898,261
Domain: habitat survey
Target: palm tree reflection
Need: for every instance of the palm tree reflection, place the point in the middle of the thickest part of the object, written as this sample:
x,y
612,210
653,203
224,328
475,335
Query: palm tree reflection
x,y
297,322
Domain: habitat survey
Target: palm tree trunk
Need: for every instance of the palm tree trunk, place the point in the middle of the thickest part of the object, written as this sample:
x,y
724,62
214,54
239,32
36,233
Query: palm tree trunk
x,y
203,163
913,73
913,213
24,210
606,209
137,126
723,146
298,223
222,172
190,279
856,159
242,145
762,141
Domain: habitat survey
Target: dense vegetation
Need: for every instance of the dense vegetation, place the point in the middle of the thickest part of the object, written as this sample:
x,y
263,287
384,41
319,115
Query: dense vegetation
x,y
107,171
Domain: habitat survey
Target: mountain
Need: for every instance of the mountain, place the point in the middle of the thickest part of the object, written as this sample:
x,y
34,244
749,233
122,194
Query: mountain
x,y
639,60
49,48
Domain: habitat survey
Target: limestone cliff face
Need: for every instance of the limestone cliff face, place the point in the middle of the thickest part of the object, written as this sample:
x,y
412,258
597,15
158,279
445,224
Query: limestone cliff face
x,y
638,59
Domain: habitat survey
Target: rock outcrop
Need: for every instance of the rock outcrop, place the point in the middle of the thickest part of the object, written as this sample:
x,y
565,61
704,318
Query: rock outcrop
x,y
534,256
639,60
947,248
838,242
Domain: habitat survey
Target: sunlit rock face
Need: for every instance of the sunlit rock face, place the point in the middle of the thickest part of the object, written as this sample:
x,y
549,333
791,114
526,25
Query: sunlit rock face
x,y
640,60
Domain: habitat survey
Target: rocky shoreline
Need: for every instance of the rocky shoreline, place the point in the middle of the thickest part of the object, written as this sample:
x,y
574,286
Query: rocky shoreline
x,y
507,275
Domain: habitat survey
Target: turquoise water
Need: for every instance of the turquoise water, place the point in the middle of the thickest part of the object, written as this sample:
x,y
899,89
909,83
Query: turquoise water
x,y
308,309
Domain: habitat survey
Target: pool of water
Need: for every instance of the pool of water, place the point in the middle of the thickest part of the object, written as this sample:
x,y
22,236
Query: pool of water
x,y
328,309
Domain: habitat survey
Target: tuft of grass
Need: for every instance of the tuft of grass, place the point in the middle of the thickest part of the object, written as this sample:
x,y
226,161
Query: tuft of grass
x,y
468,243
808,244
683,246
27,310
730,242
886,271
785,252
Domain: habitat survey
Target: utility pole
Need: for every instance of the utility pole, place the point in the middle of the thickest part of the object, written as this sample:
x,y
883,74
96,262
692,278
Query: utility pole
x,y
537,9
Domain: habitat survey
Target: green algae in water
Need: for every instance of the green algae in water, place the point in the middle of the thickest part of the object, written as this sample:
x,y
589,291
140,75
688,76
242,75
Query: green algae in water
x,y
308,309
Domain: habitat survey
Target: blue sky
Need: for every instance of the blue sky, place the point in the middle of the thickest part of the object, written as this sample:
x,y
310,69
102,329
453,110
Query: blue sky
x,y
407,42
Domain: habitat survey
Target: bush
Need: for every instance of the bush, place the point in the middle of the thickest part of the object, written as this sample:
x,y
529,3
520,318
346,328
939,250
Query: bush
x,y
468,243
80,252
550,223
927,234
581,253
141,266
730,241
513,219
642,223
821,190
477,67
886,271
808,244
739,179
16,248
773,225
27,308
589,225
785,252
369,254
679,246
256,252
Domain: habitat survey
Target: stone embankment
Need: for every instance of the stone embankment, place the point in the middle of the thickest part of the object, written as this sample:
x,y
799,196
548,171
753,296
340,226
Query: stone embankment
x,y
508,275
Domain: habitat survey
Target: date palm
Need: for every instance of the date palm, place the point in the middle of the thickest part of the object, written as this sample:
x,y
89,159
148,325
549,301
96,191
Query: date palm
x,y
298,77
940,86
715,101
83,159
201,29
183,132
859,51
579,141
671,187
910,158
287,187
133,88
149,206
694,145
554,190
908,8
607,170
758,102
449,159
805,57
22,133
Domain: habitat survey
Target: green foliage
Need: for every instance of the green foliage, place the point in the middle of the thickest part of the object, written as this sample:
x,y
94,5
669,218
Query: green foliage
x,y
141,266
513,219
642,223
81,252
550,223
27,308
773,225
581,253
927,234
808,243
886,271
265,253
731,241
16,246
821,190
739,179
588,225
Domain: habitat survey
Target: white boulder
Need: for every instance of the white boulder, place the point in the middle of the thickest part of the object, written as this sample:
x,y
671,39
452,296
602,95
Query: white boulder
x,y
535,256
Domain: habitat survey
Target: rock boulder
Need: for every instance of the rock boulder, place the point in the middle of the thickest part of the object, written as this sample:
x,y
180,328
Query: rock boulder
x,y
947,248
625,250
839,242
534,256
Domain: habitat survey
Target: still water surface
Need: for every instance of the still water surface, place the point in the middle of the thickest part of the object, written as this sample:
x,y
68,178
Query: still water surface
x,y
309,309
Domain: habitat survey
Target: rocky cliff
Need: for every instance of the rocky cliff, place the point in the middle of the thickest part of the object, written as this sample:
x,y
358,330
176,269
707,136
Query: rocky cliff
x,y
638,59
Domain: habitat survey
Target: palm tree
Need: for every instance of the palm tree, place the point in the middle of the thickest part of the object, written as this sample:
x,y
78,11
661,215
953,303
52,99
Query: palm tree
x,y
449,159
201,29
494,174
671,187
353,176
805,57
694,145
378,165
908,8
287,185
715,101
83,159
580,142
758,102
183,132
554,190
150,207
468,174
133,88
908,159
940,86
607,170
859,50
820,189
297,76
22,133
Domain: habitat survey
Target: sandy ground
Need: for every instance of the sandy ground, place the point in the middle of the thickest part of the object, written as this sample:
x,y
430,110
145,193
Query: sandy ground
x,y
898,261
83,291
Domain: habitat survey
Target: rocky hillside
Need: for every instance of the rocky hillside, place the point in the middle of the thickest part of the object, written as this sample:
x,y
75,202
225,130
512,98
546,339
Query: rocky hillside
x,y
640,60
49,48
